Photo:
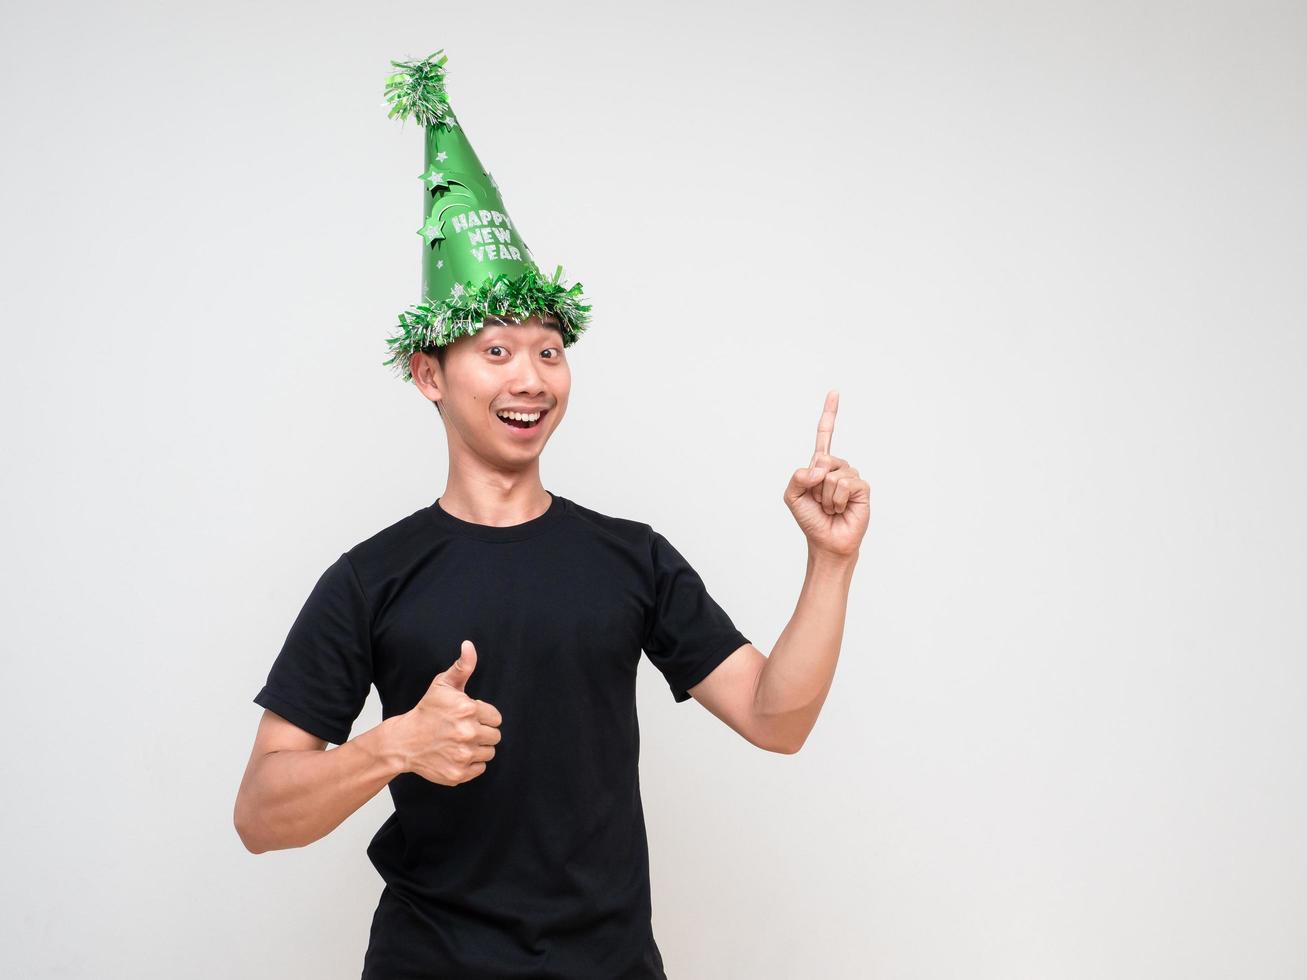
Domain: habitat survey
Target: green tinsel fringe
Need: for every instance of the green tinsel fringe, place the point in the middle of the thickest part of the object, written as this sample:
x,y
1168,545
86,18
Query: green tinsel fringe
x,y
435,324
418,90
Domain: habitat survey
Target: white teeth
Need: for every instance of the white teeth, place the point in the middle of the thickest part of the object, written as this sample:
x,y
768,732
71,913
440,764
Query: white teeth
x,y
519,416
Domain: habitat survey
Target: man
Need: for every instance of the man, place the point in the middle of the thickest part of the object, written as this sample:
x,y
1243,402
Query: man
x,y
502,627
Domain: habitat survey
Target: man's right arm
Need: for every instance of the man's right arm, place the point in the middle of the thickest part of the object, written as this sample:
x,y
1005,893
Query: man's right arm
x,y
294,793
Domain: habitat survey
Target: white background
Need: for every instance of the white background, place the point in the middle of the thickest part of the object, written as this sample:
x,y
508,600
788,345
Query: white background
x,y
1052,256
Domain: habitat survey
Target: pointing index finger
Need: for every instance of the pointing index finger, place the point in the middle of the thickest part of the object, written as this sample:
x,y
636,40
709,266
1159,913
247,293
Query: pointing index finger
x,y
826,427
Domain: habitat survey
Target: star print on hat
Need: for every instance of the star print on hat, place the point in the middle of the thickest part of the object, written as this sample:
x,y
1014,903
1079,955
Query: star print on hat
x,y
474,262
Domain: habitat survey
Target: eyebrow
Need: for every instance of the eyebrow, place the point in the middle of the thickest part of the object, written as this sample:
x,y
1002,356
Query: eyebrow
x,y
557,334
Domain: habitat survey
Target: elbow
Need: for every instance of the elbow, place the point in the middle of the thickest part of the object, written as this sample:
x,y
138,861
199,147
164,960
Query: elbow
x,y
259,837
779,746
244,830
248,827
250,843
780,739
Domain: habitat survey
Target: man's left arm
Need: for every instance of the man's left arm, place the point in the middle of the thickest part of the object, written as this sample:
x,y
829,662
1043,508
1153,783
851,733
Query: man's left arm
x,y
773,701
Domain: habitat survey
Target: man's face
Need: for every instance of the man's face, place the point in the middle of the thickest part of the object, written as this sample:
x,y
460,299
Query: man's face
x,y
519,366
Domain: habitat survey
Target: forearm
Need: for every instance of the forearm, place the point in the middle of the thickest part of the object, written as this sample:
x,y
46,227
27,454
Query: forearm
x,y
794,681
295,797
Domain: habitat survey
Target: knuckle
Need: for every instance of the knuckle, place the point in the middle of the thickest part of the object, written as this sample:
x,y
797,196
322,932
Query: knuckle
x,y
474,770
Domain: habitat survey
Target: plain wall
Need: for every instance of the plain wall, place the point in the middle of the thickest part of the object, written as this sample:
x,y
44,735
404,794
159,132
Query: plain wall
x,y
1052,256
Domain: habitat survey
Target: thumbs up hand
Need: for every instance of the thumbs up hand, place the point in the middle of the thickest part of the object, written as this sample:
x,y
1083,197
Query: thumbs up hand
x,y
459,671
449,737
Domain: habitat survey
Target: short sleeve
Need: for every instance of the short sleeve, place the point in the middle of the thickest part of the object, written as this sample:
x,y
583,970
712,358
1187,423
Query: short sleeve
x,y
687,634
320,679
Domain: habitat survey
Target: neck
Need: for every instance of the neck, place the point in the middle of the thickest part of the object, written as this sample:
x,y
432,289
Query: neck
x,y
495,498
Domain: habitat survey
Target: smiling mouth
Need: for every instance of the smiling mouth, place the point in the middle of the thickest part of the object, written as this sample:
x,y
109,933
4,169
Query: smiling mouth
x,y
514,423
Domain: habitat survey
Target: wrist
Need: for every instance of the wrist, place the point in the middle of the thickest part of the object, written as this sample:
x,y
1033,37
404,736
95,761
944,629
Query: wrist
x,y
831,562
388,746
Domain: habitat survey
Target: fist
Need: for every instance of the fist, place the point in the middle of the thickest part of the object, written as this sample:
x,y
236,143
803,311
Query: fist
x,y
449,737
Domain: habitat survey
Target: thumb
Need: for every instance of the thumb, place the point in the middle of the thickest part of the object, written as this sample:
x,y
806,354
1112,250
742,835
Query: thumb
x,y
802,481
461,669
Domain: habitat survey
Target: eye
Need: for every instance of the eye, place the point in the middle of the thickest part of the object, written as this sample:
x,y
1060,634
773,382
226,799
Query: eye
x,y
493,347
556,356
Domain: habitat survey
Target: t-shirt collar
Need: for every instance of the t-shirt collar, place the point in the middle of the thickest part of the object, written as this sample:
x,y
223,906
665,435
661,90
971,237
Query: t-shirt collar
x,y
488,532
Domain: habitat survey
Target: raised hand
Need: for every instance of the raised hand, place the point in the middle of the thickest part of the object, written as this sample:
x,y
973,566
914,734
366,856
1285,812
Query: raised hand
x,y
828,498
449,737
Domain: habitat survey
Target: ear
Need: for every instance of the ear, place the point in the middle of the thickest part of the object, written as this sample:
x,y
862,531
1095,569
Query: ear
x,y
426,375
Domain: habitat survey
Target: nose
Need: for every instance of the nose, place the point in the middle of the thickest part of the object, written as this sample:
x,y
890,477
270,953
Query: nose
x,y
527,379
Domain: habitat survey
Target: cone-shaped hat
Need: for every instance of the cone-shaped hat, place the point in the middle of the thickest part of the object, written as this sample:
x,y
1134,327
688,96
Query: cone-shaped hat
x,y
474,262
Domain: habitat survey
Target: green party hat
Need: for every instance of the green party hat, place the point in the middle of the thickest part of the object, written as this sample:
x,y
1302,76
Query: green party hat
x,y
474,262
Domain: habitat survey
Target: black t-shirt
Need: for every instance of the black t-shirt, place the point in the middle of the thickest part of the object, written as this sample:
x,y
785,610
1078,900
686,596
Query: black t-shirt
x,y
539,867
